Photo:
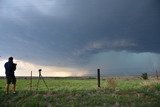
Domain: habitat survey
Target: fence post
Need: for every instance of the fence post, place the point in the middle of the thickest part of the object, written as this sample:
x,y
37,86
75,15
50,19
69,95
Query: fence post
x,y
31,81
98,77
157,74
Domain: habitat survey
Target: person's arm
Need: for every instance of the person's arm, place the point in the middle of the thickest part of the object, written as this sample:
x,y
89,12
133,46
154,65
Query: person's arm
x,y
5,65
14,67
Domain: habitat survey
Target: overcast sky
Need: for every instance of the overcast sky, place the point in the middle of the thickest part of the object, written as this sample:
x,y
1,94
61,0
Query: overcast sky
x,y
118,36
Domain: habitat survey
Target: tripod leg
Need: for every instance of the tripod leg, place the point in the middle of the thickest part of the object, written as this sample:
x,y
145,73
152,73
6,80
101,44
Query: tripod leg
x,y
44,82
38,82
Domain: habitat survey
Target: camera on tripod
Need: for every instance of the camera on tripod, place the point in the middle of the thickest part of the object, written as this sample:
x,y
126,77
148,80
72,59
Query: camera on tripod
x,y
41,77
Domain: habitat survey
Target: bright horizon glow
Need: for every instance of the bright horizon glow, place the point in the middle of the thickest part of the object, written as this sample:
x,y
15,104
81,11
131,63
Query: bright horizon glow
x,y
24,69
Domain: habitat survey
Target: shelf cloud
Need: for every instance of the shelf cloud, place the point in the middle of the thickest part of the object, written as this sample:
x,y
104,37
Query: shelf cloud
x,y
70,33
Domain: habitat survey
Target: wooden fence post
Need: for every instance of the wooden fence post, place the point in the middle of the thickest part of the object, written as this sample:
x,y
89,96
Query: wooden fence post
x,y
31,81
98,77
157,74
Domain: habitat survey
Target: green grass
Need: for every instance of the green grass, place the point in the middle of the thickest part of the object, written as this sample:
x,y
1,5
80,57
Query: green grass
x,y
78,92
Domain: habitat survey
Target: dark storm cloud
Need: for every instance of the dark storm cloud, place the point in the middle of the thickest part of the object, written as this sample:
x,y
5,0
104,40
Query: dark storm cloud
x,y
74,30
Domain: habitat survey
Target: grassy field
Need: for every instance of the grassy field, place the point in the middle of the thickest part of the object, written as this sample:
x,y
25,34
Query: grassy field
x,y
78,92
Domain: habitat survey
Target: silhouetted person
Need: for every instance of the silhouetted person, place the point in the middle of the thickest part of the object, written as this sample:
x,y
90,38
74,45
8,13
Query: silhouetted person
x,y
10,67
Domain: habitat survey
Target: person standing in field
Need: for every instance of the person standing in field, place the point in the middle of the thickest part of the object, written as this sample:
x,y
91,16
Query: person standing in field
x,y
10,67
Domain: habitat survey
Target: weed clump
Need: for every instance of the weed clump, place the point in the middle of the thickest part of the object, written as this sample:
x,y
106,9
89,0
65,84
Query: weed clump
x,y
144,76
112,83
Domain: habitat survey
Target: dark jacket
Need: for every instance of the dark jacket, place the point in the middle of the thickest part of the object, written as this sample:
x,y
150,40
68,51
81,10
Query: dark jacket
x,y
10,67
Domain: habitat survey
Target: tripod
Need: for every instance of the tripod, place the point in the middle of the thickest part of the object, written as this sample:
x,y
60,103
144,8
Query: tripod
x,y
40,77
